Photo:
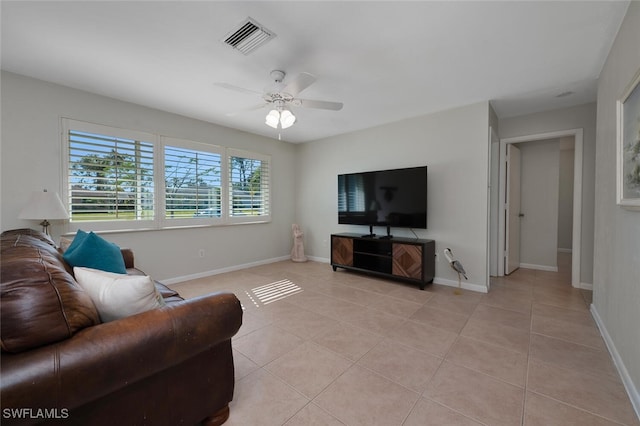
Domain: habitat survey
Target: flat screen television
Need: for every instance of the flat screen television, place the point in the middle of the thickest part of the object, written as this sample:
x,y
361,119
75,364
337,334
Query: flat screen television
x,y
391,198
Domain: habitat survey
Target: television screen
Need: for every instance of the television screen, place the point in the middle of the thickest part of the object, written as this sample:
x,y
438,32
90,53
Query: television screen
x,y
396,198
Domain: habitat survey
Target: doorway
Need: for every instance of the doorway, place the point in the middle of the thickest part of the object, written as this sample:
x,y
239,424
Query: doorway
x,y
500,207
513,210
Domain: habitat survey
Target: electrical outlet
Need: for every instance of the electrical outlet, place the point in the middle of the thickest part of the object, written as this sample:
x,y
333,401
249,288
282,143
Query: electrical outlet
x,y
201,253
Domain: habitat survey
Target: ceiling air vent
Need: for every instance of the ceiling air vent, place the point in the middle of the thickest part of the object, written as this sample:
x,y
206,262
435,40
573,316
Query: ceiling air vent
x,y
248,36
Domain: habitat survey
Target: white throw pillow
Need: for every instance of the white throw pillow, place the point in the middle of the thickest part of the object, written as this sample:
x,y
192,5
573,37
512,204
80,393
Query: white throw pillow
x,y
118,295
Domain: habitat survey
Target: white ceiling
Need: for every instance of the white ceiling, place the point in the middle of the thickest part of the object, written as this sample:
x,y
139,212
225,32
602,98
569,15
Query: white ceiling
x,y
386,61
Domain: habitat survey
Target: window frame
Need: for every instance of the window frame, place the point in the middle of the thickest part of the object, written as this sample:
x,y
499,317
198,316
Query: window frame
x,y
106,225
159,143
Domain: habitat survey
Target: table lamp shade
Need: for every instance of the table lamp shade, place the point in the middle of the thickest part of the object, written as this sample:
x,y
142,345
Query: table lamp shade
x,y
44,205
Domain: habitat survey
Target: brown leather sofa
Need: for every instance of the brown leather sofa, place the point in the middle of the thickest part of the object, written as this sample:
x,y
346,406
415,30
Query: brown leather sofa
x,y
168,366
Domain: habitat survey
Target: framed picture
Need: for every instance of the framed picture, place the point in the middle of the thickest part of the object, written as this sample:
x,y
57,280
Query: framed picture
x,y
628,187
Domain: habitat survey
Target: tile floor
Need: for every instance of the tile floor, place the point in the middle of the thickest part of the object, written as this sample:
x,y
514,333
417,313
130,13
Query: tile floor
x,y
319,347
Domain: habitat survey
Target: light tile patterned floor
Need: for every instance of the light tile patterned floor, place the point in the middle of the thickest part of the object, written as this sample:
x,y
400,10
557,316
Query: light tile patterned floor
x,y
319,347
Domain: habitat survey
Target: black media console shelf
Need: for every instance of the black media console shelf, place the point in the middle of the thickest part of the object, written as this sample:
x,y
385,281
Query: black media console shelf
x,y
400,258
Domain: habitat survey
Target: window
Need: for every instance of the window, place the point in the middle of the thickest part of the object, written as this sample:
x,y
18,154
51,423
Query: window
x,y
119,179
248,186
110,175
193,180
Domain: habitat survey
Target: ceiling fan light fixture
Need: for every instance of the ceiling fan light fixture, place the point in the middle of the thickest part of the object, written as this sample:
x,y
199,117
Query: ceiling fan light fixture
x,y
284,96
287,119
272,119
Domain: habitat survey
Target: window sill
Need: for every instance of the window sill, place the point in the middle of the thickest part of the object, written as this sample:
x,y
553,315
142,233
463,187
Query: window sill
x,y
165,228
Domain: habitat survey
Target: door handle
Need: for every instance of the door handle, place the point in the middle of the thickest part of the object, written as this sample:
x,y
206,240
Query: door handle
x,y
521,215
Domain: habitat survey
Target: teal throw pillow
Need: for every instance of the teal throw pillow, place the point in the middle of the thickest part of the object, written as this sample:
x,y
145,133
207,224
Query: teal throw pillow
x,y
93,251
77,240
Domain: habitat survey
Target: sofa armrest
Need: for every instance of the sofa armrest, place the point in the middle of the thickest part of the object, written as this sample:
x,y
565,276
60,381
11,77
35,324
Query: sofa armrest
x,y
102,359
127,256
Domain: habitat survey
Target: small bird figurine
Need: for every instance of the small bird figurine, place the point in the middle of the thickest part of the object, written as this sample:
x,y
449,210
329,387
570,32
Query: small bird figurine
x,y
456,266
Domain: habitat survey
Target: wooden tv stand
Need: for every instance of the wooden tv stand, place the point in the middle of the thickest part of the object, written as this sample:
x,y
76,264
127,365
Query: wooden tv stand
x,y
406,259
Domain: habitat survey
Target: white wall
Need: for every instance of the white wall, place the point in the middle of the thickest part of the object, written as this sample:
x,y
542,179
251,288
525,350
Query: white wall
x,y
579,117
616,269
454,146
539,179
565,197
31,160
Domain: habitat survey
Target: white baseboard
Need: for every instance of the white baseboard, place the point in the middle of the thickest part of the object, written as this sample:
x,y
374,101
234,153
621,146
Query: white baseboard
x,y
539,267
630,387
586,286
465,285
564,250
212,272
437,280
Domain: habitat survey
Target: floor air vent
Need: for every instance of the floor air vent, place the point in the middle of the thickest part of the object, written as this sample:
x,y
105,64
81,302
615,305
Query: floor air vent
x,y
248,36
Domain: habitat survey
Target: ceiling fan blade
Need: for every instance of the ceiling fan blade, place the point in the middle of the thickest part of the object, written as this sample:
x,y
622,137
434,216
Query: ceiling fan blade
x,y
300,83
308,103
251,108
238,89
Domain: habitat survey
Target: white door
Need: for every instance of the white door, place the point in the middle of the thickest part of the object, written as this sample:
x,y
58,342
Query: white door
x,y
512,213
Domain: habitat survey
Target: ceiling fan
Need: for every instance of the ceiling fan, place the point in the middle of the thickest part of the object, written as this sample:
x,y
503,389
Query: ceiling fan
x,y
281,96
